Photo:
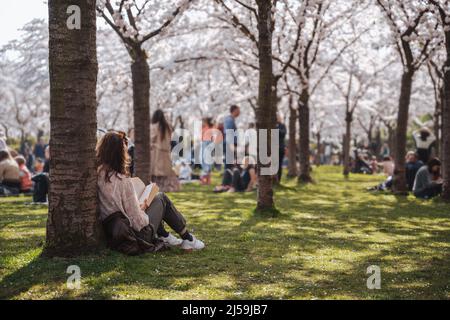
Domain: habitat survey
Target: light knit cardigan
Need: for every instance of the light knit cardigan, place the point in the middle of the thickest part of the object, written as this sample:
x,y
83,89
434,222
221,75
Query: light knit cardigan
x,y
118,195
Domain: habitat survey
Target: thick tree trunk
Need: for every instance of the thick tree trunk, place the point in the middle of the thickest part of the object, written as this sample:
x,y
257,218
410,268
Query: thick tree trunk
x,y
292,164
399,185
446,124
141,106
303,113
347,139
265,116
72,226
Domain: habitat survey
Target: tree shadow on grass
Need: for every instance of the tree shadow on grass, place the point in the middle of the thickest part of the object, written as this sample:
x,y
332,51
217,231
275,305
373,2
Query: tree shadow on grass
x,y
317,248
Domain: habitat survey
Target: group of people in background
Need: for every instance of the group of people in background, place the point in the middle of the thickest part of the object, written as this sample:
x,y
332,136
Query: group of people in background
x,y
25,171
422,169
236,177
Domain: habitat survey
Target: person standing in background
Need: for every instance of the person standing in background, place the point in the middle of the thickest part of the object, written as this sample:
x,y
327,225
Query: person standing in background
x,y
207,140
230,142
425,141
161,163
39,149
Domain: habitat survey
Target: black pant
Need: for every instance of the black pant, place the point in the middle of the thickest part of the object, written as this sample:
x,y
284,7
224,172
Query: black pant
x,y
10,187
430,192
163,210
41,187
232,177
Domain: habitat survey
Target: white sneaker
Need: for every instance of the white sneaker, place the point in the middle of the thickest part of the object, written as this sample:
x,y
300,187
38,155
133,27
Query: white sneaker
x,y
171,240
195,244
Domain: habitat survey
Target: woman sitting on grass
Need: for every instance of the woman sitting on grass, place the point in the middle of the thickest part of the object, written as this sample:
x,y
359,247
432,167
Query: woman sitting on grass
x,y
428,182
26,184
9,174
118,198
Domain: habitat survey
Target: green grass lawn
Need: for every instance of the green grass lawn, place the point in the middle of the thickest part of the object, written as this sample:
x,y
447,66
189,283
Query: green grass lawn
x,y
319,247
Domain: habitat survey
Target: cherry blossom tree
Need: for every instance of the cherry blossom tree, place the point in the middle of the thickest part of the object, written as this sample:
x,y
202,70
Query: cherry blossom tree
x,y
24,81
416,37
72,226
442,13
137,22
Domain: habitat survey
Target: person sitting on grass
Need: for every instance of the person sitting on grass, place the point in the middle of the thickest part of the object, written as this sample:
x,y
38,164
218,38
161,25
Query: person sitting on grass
x,y
361,165
117,198
26,185
413,164
240,178
388,166
185,172
9,174
428,182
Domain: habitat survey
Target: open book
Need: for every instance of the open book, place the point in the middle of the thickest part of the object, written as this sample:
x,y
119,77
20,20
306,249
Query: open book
x,y
145,194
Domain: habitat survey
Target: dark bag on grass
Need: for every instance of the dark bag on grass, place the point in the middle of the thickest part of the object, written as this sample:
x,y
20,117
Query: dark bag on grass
x,y
41,183
120,236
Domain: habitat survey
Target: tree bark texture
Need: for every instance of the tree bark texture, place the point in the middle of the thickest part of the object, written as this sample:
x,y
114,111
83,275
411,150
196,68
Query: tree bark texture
x,y
265,116
72,226
304,149
399,185
140,72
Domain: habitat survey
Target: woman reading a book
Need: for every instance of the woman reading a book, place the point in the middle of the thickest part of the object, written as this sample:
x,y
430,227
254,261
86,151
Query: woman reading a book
x,y
117,194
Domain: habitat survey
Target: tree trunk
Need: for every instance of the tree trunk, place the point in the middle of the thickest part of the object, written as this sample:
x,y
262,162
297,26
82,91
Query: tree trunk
x,y
446,124
319,151
347,139
292,164
265,116
72,226
399,185
437,121
378,141
303,112
140,72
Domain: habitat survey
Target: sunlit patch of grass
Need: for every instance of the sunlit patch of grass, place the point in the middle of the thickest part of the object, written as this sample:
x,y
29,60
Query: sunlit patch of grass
x,y
318,246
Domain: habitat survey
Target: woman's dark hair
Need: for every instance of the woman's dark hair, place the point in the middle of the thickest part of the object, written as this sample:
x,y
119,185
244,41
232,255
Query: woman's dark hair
x,y
233,108
112,154
433,162
20,160
387,158
4,154
209,122
159,118
424,134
